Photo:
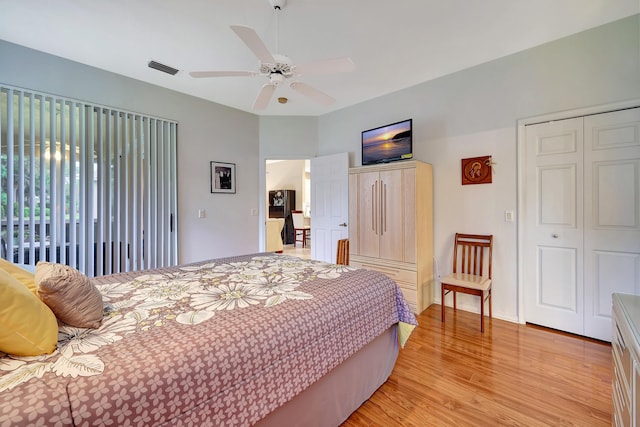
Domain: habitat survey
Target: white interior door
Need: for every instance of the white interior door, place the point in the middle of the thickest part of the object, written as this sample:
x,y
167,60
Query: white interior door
x,y
581,220
329,204
553,270
612,214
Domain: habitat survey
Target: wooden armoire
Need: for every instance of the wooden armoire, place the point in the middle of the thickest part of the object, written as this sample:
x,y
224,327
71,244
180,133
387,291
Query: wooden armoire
x,y
391,225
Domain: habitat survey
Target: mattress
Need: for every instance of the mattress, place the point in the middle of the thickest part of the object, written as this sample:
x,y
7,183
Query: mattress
x,y
222,342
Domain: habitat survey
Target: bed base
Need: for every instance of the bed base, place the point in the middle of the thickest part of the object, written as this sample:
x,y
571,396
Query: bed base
x,y
333,398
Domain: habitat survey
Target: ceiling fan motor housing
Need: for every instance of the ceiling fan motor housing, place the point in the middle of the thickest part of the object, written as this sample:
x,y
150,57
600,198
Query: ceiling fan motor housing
x,y
283,66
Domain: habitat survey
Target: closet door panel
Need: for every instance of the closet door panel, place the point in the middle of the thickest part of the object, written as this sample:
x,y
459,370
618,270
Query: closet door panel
x,y
612,214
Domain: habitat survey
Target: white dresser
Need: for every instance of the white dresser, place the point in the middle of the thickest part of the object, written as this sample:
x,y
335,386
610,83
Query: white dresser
x,y
625,345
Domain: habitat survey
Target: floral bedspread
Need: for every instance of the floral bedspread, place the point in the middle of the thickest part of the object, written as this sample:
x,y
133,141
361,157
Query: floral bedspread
x,y
222,342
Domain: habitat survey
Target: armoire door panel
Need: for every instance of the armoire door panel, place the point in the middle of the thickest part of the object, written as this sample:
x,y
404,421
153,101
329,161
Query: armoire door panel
x,y
391,214
368,214
409,212
354,221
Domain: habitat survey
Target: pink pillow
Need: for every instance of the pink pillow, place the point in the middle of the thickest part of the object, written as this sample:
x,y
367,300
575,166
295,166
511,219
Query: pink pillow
x,y
69,294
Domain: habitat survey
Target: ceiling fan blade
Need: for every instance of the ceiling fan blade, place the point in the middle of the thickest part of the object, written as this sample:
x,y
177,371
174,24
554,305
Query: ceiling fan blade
x,y
313,93
335,65
222,73
264,96
253,42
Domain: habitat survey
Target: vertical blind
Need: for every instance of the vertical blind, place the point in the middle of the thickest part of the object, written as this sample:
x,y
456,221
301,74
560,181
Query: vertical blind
x,y
86,185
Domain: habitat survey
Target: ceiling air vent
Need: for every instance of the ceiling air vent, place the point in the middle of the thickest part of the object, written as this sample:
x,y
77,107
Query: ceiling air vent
x,y
164,68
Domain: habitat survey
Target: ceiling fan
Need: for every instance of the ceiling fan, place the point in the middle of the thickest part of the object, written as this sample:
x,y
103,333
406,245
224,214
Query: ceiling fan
x,y
279,68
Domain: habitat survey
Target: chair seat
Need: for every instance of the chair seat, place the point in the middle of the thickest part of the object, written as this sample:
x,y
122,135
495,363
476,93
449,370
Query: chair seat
x,y
468,281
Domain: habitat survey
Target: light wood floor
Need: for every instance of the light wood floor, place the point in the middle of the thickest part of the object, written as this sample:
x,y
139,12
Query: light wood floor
x,y
452,375
298,251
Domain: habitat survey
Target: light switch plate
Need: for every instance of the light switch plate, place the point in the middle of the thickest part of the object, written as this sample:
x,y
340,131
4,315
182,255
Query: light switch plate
x,y
508,216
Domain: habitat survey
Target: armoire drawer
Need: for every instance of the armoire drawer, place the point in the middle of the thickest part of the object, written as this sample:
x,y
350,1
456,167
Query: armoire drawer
x,y
397,274
409,294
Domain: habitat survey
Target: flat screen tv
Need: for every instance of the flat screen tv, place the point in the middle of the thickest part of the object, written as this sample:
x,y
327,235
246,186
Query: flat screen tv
x,y
387,143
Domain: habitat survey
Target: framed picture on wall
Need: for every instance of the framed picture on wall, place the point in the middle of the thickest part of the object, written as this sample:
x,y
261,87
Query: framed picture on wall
x,y
476,170
223,177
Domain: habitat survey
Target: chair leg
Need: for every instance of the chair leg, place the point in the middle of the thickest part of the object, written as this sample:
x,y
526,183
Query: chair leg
x,y
455,303
482,312
490,304
442,302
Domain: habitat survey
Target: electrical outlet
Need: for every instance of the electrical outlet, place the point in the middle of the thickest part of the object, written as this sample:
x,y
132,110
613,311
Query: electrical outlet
x,y
202,213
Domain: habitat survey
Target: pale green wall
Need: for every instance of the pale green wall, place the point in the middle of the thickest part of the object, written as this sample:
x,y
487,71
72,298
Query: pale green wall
x,y
466,114
207,131
474,113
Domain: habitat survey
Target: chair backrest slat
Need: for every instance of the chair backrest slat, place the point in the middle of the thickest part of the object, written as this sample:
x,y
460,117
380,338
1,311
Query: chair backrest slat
x,y
342,255
473,251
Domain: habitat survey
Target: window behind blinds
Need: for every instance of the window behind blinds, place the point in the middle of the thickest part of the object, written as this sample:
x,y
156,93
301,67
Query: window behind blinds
x,y
86,185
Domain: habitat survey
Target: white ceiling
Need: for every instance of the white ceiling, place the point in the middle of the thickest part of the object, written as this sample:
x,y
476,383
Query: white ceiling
x,y
394,44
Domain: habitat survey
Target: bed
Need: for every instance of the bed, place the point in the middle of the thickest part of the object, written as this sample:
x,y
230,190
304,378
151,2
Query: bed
x,y
261,339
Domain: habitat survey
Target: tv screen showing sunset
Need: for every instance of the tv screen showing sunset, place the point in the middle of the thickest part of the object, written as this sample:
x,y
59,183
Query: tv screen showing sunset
x,y
392,142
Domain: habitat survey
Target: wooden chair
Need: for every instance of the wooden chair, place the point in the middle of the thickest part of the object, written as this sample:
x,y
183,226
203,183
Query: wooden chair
x,y
342,255
471,271
299,229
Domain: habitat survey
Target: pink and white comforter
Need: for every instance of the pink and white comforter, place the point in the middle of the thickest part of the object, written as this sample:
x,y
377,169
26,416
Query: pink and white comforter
x,y
222,342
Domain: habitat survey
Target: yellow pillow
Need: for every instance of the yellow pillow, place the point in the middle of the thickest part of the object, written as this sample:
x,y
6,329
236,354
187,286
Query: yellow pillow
x,y
27,326
25,277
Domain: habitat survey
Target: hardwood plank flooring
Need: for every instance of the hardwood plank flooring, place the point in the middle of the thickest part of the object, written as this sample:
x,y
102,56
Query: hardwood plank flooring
x,y
517,375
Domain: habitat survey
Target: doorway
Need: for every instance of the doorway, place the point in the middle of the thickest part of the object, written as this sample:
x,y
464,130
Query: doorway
x,y
291,179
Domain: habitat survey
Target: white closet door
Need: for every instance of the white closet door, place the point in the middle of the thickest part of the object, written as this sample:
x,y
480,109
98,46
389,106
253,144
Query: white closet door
x,y
553,225
582,220
612,214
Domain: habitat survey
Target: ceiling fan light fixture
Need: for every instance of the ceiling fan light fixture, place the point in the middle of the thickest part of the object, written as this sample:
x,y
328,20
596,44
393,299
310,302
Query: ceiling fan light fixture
x,y
276,78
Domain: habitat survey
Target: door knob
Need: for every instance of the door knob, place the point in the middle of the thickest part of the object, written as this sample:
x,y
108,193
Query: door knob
x,y
344,224
554,235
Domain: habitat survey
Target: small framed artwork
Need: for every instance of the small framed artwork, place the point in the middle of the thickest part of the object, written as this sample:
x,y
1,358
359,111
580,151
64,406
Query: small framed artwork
x,y
476,170
223,177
